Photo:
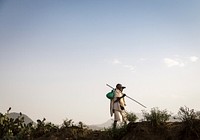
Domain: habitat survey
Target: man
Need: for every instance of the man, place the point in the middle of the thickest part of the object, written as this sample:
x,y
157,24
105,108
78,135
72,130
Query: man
x,y
119,105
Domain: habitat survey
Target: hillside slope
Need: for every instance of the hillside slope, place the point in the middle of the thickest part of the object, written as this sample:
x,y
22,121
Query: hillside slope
x,y
15,115
133,131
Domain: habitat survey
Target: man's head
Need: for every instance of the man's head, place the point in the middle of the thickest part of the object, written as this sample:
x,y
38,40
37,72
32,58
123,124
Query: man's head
x,y
120,87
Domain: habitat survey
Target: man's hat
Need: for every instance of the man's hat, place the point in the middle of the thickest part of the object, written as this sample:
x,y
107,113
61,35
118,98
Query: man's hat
x,y
119,86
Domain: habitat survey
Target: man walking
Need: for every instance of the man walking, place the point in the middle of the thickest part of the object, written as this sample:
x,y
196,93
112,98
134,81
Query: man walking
x,y
119,105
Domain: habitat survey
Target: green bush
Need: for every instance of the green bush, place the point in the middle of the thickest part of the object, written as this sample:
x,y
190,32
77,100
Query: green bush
x,y
12,129
156,116
186,114
67,123
131,117
43,129
191,120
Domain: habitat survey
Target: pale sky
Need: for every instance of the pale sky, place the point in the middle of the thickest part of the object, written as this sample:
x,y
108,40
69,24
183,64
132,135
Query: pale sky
x,y
56,56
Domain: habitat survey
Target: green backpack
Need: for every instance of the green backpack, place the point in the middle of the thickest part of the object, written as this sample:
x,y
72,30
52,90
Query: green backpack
x,y
110,95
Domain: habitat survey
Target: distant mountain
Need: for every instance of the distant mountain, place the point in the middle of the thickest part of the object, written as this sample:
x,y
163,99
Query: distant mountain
x,y
15,115
107,124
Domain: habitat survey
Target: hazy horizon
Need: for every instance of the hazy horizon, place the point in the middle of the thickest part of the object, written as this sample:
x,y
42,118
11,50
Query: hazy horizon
x,y
56,57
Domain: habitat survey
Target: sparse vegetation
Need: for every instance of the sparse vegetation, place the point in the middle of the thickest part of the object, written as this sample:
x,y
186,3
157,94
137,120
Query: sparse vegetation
x,y
131,117
67,123
14,129
118,132
191,121
188,128
156,116
121,130
185,114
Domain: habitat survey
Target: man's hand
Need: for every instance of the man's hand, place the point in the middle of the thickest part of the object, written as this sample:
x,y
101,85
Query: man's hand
x,y
123,95
122,108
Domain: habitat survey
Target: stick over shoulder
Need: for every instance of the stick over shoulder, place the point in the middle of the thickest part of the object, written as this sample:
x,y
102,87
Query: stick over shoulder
x,y
128,97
